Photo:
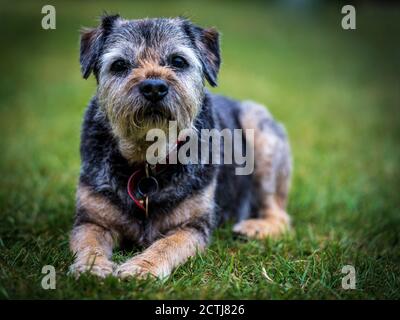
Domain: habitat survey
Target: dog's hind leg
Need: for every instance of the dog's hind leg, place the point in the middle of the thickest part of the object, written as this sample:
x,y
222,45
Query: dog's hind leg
x,y
271,176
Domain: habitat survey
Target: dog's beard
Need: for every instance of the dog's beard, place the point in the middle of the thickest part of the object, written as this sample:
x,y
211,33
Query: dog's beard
x,y
131,117
132,121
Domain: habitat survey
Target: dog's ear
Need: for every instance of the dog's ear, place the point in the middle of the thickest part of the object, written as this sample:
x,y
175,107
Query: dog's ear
x,y
207,43
90,47
210,51
92,41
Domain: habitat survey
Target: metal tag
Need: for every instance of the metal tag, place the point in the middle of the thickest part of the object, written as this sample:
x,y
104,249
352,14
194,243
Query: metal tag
x,y
146,186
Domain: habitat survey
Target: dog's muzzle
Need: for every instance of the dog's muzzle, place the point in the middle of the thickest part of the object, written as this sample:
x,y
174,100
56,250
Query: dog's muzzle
x,y
153,90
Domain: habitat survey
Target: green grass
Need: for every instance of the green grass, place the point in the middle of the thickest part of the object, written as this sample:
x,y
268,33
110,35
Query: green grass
x,y
336,91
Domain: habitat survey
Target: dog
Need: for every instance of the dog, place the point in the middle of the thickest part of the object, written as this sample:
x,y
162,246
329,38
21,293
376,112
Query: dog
x,y
150,72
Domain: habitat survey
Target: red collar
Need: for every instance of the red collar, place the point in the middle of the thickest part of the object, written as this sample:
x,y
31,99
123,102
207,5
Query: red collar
x,y
132,182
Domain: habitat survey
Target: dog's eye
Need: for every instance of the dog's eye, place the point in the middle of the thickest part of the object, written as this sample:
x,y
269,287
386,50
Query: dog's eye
x,y
178,62
119,66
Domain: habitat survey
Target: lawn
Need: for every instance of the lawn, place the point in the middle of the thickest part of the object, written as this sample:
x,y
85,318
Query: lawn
x,y
336,91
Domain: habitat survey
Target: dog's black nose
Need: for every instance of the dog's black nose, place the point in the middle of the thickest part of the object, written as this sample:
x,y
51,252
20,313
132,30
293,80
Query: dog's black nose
x,y
153,89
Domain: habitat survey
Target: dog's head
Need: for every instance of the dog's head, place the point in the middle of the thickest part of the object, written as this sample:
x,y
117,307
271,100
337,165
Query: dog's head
x,y
149,71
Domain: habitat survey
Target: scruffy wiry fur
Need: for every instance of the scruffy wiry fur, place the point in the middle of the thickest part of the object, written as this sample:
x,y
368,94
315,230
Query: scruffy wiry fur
x,y
192,199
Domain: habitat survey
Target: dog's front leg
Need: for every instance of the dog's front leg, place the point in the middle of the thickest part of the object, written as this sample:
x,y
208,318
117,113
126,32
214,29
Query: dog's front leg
x,y
92,246
164,255
189,228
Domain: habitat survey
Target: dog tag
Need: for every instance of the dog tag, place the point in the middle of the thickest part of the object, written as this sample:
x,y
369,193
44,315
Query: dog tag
x,y
146,186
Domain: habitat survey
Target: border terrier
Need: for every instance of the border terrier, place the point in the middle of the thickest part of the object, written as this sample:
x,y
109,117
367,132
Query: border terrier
x,y
150,72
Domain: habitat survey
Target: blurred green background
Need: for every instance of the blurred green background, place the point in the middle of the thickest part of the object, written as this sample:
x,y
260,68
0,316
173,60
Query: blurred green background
x,y
336,91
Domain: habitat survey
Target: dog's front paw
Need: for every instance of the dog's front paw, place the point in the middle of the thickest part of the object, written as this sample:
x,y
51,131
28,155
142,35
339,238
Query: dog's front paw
x,y
136,268
100,269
